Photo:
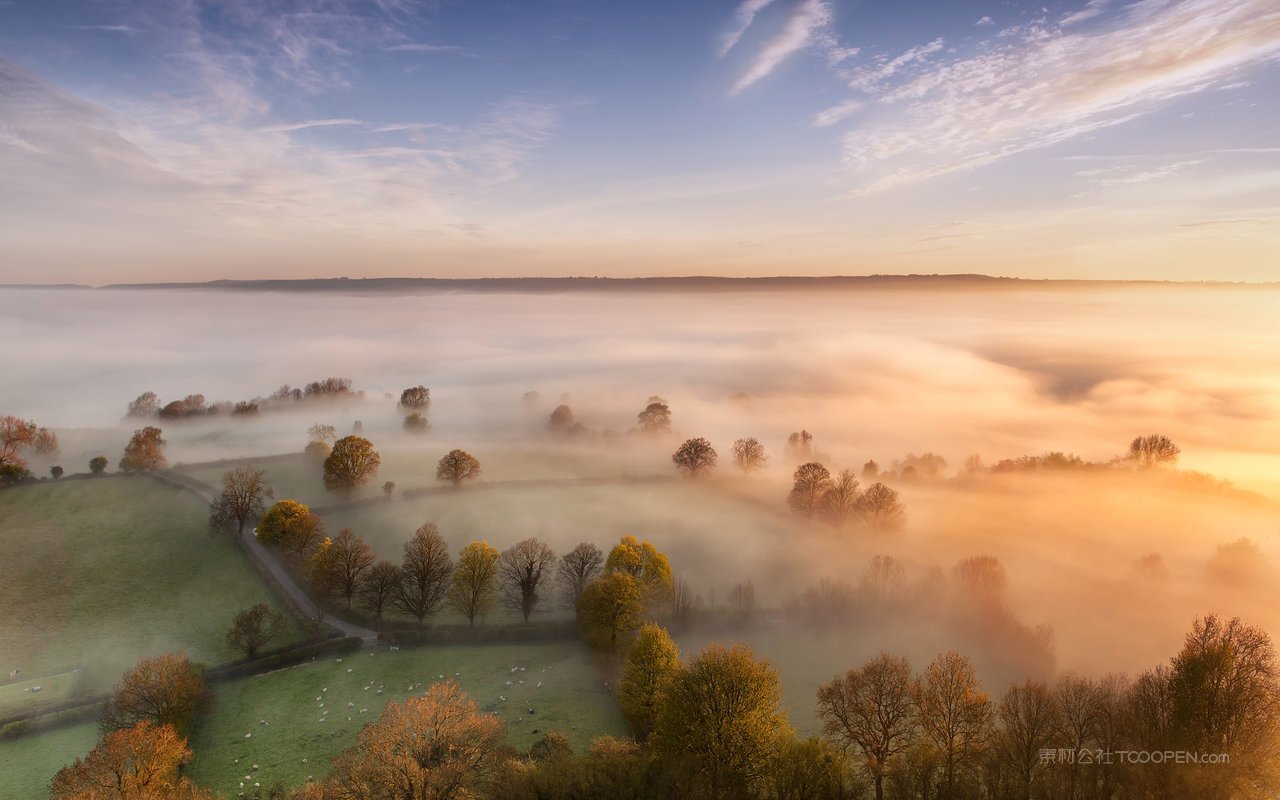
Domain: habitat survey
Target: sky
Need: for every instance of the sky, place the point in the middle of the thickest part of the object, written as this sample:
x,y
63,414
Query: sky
x,y
190,140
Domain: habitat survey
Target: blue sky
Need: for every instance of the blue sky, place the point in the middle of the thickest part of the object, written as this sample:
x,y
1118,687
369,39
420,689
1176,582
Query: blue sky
x,y
181,139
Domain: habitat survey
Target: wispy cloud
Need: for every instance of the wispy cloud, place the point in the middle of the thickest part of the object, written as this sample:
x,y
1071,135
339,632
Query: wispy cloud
x,y
1106,177
807,19
839,113
870,78
285,127
1093,8
108,28
742,19
424,47
984,21
1044,85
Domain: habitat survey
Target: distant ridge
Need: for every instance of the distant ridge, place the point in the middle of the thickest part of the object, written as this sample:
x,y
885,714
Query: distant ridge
x,y
691,283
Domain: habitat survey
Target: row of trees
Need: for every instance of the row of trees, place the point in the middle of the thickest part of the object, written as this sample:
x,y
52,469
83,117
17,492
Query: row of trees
x,y
521,578
816,493
148,404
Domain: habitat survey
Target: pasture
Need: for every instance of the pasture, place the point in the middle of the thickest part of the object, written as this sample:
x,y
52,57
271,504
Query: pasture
x,y
97,573
301,717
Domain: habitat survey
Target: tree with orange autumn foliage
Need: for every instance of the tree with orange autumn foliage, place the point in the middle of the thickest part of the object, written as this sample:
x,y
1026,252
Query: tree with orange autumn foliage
x,y
136,763
436,746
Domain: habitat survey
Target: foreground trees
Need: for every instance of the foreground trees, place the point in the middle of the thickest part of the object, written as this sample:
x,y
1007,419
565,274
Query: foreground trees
x,y
870,710
955,715
430,747
645,563
253,628
166,690
145,451
350,464
721,721
523,570
243,497
609,610
140,762
471,593
425,573
652,662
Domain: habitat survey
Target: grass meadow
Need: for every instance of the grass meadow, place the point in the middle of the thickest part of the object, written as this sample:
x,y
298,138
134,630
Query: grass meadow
x,y
95,574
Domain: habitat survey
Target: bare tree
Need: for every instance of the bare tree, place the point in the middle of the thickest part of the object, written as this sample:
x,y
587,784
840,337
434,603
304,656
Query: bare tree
x,y
695,457
1029,723
954,714
523,570
683,602
749,455
880,508
457,466
811,481
254,627
426,572
351,556
742,599
870,709
800,444
1154,450
146,404
577,568
379,586
243,497
839,502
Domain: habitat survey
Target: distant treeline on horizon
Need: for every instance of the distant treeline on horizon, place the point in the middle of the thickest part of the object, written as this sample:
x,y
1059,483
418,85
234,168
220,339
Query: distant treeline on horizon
x,y
706,283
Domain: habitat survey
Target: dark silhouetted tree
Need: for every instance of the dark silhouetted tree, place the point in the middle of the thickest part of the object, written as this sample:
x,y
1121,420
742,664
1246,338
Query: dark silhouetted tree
x,y
577,568
243,496
810,482
426,573
524,570
749,455
695,457
457,466
254,627
880,508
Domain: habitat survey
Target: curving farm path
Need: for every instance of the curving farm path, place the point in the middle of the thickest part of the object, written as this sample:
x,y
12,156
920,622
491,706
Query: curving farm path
x,y
282,578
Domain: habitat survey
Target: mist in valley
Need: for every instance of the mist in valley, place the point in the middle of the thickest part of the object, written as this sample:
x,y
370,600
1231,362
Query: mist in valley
x,y
1099,570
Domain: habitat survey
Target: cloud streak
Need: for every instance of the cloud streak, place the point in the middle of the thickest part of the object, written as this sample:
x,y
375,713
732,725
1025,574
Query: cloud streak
x,y
742,19
807,20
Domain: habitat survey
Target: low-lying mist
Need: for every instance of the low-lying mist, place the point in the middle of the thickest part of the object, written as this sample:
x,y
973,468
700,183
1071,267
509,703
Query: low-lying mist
x,y
1104,569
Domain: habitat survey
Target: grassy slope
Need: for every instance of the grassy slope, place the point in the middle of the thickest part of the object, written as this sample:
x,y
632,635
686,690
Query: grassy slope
x,y
572,700
100,573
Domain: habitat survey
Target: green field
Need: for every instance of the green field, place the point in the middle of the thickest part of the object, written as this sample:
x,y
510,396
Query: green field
x,y
98,573
299,477
28,763
572,700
